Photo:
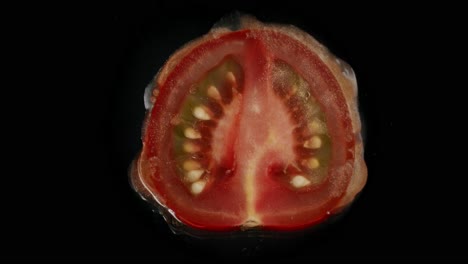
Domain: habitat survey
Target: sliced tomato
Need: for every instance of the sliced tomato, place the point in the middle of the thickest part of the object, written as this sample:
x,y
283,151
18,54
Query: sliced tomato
x,y
256,127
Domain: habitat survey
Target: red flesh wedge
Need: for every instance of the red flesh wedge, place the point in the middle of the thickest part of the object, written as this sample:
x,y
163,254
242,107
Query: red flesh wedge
x,y
256,128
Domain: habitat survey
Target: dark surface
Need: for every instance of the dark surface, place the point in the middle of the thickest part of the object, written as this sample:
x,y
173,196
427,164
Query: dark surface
x,y
78,202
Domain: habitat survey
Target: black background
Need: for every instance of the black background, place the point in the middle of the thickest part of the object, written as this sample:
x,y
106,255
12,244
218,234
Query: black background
x,y
87,66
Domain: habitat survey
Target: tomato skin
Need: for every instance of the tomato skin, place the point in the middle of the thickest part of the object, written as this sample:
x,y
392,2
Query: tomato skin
x,y
157,183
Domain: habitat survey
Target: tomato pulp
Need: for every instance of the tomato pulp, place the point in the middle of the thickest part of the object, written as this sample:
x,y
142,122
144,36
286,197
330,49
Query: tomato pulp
x,y
252,128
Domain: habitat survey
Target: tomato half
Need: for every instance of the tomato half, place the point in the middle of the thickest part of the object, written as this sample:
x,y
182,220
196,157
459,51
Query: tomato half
x,y
252,128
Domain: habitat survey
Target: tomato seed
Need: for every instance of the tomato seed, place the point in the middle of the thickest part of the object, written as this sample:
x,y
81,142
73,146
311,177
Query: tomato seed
x,y
313,143
299,181
214,93
191,165
197,187
191,133
311,163
201,113
194,175
191,147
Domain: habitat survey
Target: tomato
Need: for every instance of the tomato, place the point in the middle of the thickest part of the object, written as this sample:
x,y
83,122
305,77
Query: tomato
x,y
251,128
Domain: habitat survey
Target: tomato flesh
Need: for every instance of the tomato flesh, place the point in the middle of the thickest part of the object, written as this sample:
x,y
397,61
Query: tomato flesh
x,y
250,128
